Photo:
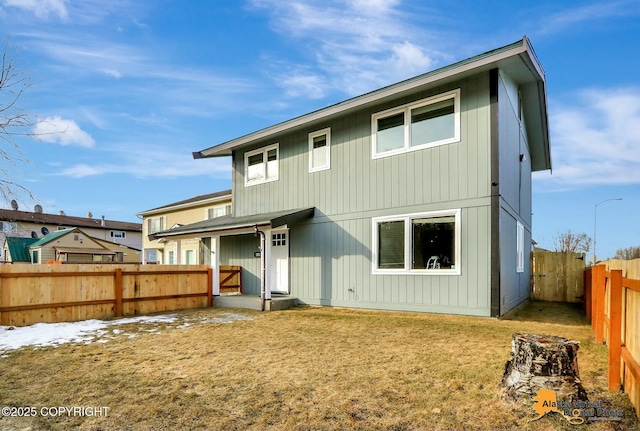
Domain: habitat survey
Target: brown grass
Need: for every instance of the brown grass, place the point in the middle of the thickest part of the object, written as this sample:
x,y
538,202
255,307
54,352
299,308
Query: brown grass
x,y
307,368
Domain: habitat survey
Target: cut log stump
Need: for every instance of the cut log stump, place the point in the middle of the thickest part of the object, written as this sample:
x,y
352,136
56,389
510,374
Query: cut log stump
x,y
543,361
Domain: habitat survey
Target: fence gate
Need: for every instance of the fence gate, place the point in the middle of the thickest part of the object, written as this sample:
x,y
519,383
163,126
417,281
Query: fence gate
x,y
557,276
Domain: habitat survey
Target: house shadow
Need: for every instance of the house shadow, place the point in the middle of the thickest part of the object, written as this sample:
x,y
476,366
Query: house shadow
x,y
330,266
560,313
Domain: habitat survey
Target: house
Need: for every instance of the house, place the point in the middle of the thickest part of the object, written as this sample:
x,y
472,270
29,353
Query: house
x,y
67,246
415,197
26,224
194,209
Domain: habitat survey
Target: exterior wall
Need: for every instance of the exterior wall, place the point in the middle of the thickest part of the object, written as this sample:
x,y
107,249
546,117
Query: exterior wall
x,y
330,256
515,196
182,216
238,250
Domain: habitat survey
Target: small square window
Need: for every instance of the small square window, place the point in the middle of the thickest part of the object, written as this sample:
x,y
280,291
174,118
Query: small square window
x,y
320,150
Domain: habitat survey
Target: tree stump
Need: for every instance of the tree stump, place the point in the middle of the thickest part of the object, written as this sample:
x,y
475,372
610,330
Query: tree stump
x,y
543,361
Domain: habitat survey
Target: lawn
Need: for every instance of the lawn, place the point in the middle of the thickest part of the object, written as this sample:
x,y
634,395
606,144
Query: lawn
x,y
306,368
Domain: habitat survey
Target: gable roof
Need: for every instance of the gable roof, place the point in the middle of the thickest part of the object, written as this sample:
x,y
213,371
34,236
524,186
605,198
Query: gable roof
x,y
518,59
18,248
59,234
65,220
196,200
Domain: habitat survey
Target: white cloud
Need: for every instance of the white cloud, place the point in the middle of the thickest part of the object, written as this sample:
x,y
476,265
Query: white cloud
x,y
595,139
596,11
41,8
61,131
149,162
355,45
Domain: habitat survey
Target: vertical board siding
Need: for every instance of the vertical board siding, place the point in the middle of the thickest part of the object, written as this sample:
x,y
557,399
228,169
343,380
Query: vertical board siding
x,y
238,250
340,253
330,256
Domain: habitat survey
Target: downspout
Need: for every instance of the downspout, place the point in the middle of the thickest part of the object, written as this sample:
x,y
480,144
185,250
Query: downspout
x,y
263,267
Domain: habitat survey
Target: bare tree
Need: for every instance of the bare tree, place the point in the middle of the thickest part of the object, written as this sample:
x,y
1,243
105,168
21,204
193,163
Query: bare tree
x,y
628,253
572,242
14,122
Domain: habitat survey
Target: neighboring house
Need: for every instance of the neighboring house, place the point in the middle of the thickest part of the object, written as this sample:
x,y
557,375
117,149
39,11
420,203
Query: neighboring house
x,y
67,245
25,224
187,251
416,196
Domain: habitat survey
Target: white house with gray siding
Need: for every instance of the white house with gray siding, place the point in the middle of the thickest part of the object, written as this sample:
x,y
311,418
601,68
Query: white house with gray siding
x,y
415,197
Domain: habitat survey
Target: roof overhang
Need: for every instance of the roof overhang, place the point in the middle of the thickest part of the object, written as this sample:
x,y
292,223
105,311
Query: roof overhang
x,y
231,223
517,59
80,250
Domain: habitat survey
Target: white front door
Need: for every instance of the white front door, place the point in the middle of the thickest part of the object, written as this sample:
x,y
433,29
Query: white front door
x,y
279,261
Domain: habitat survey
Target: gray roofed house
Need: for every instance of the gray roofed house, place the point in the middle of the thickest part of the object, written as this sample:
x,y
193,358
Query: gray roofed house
x,y
415,197
26,224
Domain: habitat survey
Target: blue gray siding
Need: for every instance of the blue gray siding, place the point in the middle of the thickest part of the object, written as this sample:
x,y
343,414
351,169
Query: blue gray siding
x,y
238,250
515,196
330,256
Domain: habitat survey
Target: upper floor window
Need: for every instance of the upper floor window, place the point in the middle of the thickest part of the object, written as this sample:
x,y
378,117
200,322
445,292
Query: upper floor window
x,y
219,211
117,234
155,224
8,226
261,165
320,150
422,124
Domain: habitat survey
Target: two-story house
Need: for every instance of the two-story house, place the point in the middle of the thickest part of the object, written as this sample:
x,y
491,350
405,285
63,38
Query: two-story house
x,y
119,235
176,214
416,196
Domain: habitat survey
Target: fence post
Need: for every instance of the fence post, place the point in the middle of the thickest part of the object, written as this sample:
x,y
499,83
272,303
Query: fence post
x,y
210,287
597,310
614,340
587,297
118,292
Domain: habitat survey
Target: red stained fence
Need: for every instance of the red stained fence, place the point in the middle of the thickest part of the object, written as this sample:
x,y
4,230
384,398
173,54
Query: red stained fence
x,y
612,305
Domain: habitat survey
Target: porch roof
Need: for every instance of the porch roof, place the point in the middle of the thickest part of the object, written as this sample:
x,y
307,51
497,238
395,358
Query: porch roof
x,y
228,223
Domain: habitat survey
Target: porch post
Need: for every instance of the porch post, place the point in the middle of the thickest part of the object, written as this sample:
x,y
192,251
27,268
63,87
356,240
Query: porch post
x,y
266,270
178,251
215,264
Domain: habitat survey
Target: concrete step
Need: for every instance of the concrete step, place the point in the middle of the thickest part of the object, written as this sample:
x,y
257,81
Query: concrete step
x,y
252,302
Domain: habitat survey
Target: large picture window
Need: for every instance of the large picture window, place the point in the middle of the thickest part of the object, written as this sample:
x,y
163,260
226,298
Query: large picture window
x,y
421,243
261,165
423,124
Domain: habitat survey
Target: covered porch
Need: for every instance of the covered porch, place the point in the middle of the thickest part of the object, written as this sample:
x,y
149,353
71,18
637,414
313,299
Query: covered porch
x,y
259,244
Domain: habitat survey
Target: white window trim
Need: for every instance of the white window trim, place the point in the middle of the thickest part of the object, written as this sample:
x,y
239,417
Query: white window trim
x,y
519,247
206,210
406,109
313,135
264,150
408,244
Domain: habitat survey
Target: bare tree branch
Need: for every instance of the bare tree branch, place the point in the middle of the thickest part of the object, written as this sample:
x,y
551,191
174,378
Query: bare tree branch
x,y
14,122
572,242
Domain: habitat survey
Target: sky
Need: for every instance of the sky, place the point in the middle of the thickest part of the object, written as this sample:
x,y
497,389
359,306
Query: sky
x,y
123,91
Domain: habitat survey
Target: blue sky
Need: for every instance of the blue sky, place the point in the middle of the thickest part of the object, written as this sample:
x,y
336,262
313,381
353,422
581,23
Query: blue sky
x,y
138,86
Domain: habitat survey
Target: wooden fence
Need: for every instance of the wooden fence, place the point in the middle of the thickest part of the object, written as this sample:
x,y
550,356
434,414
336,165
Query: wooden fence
x,y
230,279
612,305
557,276
61,293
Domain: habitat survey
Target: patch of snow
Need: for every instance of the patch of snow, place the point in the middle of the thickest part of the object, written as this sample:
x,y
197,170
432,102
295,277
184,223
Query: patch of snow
x,y
92,331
